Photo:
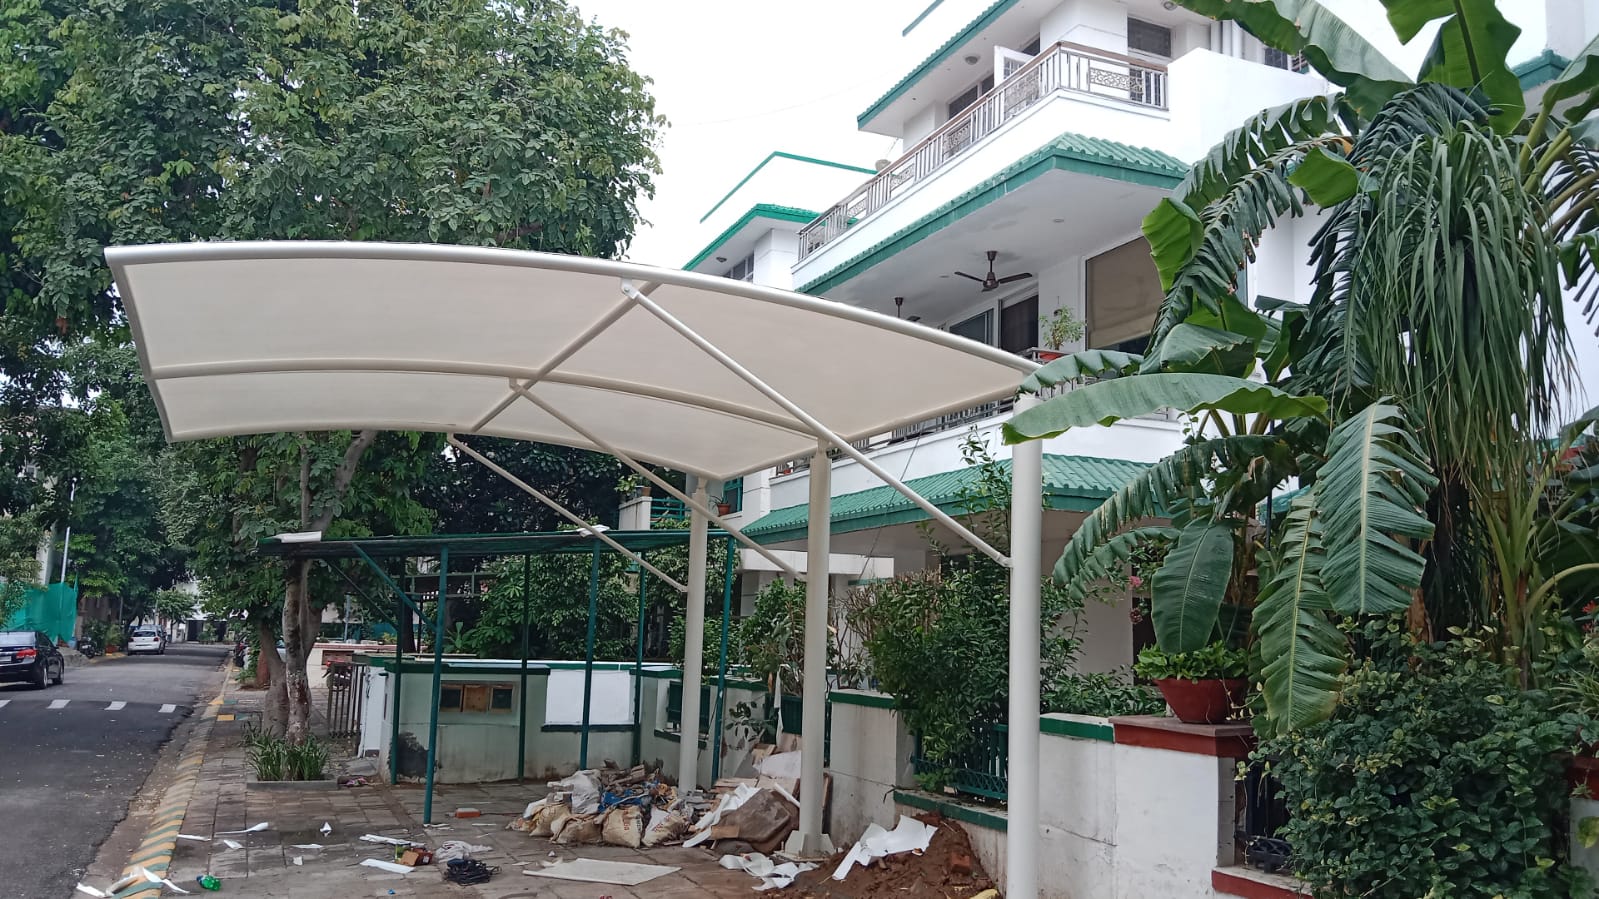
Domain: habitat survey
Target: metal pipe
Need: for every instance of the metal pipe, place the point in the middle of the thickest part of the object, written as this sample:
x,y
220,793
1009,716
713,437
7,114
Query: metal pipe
x,y
438,680
399,663
561,510
521,715
588,656
721,667
688,759
1026,523
638,676
820,430
656,479
813,718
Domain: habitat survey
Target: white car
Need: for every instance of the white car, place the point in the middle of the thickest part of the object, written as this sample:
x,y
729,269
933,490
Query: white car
x,y
147,639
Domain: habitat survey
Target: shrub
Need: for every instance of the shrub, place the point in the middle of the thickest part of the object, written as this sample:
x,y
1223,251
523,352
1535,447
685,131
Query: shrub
x,y
275,758
1436,776
1105,694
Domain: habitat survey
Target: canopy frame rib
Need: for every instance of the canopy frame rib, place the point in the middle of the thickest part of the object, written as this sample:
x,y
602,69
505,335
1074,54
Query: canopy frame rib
x,y
705,509
564,512
821,431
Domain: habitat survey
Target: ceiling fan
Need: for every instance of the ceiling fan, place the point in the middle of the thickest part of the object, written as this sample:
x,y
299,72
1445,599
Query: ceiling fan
x,y
990,282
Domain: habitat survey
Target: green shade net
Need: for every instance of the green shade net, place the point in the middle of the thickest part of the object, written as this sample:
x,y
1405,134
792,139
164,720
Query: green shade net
x,y
52,609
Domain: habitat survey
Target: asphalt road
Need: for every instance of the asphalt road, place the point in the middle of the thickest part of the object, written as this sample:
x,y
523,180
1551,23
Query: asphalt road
x,y
73,756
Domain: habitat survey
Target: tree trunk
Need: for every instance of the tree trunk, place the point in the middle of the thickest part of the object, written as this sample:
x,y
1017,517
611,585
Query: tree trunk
x,y
296,606
270,667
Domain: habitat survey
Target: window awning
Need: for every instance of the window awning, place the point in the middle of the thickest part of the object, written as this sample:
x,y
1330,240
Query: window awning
x,y
1071,484
245,338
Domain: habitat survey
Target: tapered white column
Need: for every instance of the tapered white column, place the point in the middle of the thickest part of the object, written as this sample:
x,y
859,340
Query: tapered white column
x,y
817,547
1026,534
688,758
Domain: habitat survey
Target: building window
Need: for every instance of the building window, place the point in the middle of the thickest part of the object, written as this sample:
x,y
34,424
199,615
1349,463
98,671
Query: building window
x,y
979,327
1148,38
501,698
1018,326
733,495
1123,297
450,698
611,702
961,103
743,270
1279,59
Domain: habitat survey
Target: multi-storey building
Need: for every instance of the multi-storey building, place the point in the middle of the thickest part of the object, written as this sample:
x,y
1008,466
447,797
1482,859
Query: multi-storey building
x,y
1035,137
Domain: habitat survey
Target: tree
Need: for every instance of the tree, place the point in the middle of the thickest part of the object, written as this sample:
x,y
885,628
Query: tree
x,y
468,498
509,124
1410,394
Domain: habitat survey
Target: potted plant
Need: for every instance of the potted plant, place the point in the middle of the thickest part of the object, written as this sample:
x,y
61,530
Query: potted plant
x,y
1056,330
1202,686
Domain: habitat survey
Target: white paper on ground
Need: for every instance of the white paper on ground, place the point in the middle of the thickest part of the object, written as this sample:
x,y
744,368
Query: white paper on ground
x,y
785,765
233,844
306,846
909,835
228,833
588,870
783,875
392,841
91,891
326,828
740,795
298,860
772,875
158,879
190,836
390,867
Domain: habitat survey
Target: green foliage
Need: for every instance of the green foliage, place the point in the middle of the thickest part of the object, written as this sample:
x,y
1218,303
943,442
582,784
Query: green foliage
x,y
1106,402
1060,328
1189,587
276,759
1436,776
772,637
1104,694
175,605
1213,661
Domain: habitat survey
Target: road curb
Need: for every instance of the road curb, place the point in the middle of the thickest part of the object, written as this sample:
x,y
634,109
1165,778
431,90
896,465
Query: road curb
x,y
155,853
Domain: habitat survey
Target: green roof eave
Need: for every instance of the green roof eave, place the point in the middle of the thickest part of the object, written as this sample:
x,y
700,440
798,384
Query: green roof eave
x,y
758,211
1075,153
986,18
1071,484
779,154
1541,69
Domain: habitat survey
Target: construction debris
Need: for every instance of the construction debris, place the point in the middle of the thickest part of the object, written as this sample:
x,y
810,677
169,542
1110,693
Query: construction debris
x,y
945,867
588,870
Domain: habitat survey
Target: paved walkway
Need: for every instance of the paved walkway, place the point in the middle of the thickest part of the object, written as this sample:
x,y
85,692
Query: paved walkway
x,y
268,864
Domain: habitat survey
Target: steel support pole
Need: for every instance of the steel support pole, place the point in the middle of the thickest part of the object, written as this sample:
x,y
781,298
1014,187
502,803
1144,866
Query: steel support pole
x,y
813,718
721,665
1026,526
588,656
638,674
399,663
688,759
438,679
521,715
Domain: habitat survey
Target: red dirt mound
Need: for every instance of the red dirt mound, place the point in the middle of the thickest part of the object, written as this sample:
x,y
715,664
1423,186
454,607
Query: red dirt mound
x,y
947,870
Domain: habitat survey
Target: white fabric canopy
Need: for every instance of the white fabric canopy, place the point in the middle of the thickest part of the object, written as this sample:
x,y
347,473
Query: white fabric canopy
x,y
244,338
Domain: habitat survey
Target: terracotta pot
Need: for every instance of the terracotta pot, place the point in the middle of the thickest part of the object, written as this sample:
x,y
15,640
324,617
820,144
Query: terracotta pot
x,y
724,508
1203,701
1048,355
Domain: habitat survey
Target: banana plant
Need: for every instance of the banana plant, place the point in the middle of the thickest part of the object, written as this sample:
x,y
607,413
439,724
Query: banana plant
x,y
1411,385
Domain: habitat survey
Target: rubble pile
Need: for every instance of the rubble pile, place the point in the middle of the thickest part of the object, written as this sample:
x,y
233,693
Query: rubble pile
x,y
638,808
946,868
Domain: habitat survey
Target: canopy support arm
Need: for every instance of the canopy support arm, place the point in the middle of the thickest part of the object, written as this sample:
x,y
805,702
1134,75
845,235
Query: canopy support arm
x,y
821,431
655,479
563,511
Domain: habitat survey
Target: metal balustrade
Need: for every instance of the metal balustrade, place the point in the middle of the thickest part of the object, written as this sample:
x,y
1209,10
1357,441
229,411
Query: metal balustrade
x,y
1062,67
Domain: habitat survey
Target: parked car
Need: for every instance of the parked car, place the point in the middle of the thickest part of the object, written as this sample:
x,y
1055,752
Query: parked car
x,y
30,657
147,639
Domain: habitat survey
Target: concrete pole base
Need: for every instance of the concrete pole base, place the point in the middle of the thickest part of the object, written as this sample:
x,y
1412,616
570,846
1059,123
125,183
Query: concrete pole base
x,y
809,845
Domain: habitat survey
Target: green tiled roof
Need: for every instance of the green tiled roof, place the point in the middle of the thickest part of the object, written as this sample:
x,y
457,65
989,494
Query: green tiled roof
x,y
1071,483
946,50
1541,69
758,211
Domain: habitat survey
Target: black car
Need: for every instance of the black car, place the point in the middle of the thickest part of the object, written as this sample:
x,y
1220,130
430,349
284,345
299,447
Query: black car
x,y
30,657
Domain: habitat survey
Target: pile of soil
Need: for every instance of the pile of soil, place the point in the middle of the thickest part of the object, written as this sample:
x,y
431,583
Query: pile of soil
x,y
938,872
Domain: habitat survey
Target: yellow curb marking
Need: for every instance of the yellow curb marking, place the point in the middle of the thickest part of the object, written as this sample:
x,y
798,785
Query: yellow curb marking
x,y
224,717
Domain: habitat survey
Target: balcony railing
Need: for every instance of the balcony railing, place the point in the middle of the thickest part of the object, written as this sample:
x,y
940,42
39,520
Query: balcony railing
x,y
982,769
1062,67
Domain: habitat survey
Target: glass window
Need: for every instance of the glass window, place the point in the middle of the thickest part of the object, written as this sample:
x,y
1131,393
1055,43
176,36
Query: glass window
x,y
743,270
970,96
733,495
1148,38
501,698
450,698
1018,326
979,327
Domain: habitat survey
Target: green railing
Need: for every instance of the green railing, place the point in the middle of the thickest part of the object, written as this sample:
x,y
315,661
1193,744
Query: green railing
x,y
667,507
981,770
674,705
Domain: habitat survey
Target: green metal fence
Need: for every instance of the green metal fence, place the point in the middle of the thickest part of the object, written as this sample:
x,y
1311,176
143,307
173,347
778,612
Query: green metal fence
x,y
979,771
52,609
